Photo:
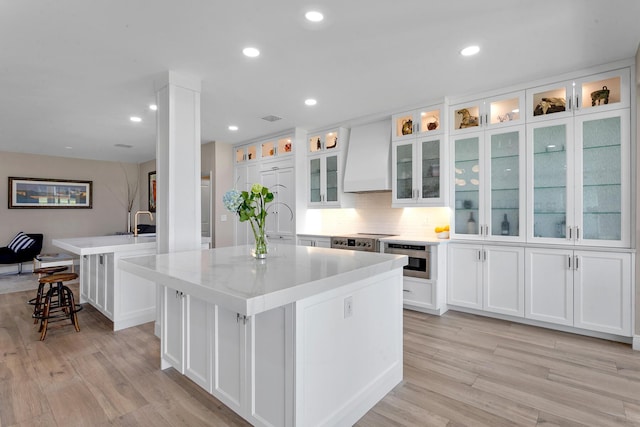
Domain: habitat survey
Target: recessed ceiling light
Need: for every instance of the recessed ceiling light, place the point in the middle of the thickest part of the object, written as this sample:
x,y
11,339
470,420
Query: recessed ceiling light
x,y
233,128
314,16
68,147
251,52
153,107
123,145
470,50
135,119
310,101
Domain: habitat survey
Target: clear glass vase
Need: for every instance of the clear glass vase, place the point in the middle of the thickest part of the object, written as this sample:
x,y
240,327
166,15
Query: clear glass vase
x,y
261,246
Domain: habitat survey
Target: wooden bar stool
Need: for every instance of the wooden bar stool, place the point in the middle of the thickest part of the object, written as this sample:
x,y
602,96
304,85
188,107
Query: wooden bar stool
x,y
58,303
37,301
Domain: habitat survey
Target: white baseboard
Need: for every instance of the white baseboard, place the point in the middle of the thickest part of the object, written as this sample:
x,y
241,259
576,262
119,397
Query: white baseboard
x,y
636,343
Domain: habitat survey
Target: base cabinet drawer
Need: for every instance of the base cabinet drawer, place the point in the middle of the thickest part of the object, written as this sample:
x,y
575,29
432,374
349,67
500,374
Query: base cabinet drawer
x,y
419,292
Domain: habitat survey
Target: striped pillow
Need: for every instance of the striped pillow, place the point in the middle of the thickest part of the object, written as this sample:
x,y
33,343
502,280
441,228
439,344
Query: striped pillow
x,y
20,242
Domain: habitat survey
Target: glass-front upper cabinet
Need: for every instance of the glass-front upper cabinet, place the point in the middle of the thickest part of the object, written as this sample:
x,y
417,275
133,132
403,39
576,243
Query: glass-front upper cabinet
x,y
599,92
276,147
580,174
324,141
489,180
503,110
416,123
418,172
246,153
324,181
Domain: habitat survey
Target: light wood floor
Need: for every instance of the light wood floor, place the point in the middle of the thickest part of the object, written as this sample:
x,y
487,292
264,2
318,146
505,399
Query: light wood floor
x,y
459,370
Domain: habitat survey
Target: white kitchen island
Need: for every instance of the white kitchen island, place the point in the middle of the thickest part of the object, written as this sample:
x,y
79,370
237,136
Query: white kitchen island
x,y
310,336
127,300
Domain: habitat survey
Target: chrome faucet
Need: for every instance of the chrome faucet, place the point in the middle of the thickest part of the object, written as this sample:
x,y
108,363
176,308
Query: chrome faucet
x,y
135,225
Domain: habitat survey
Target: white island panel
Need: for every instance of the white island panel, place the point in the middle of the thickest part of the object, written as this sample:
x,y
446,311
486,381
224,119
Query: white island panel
x,y
311,336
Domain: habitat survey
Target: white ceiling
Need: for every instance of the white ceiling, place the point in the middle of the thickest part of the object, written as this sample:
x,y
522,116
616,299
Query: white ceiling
x,y
73,71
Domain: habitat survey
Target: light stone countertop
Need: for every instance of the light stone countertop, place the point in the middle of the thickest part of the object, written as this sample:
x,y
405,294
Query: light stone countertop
x,y
233,279
105,244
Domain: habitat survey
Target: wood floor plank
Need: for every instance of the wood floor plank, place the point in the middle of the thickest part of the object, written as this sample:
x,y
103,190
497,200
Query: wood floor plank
x,y
459,370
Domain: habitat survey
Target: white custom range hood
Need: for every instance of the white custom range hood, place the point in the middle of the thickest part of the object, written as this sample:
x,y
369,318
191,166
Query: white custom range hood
x,y
368,165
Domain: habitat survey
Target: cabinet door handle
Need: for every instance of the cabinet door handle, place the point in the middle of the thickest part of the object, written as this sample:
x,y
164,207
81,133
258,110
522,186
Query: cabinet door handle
x,y
569,229
577,233
406,290
486,119
576,263
569,104
569,257
577,102
484,255
479,255
486,230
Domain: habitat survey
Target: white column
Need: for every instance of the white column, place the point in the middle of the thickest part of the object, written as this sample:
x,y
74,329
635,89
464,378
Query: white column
x,y
178,163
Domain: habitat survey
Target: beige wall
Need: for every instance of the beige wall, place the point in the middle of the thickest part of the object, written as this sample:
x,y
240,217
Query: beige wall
x,y
223,181
109,212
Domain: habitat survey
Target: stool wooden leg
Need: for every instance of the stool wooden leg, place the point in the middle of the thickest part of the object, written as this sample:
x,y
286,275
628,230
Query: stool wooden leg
x,y
45,315
72,306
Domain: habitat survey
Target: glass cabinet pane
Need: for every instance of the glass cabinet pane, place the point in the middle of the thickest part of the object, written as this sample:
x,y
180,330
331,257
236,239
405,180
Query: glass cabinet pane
x,y
550,101
601,92
505,110
314,180
467,117
404,171
332,178
331,140
284,145
429,121
239,155
550,181
601,179
430,169
467,185
404,125
252,152
505,184
315,144
268,149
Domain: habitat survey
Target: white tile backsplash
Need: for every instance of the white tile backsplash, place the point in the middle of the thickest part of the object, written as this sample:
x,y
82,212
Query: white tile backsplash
x,y
372,213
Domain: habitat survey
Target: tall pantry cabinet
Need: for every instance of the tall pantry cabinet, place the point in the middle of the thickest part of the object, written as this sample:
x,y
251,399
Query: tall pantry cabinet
x,y
572,198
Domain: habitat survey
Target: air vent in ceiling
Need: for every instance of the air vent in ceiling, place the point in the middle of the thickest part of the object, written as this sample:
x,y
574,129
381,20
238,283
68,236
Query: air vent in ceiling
x,y
123,145
272,118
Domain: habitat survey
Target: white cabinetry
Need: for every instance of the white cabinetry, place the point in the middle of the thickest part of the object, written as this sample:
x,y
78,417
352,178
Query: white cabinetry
x,y
314,240
579,170
428,295
325,169
489,184
186,333
245,175
280,222
586,289
418,159
489,278
229,355
583,95
480,114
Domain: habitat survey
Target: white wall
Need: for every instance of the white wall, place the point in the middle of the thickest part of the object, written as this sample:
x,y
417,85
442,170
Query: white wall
x,y
109,212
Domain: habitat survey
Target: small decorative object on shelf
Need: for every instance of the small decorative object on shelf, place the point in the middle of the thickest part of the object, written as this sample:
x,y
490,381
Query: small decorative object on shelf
x,y
549,106
471,224
333,144
467,120
600,95
407,127
319,144
433,124
505,226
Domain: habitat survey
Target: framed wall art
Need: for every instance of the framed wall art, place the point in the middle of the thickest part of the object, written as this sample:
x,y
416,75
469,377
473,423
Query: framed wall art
x,y
37,193
152,191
